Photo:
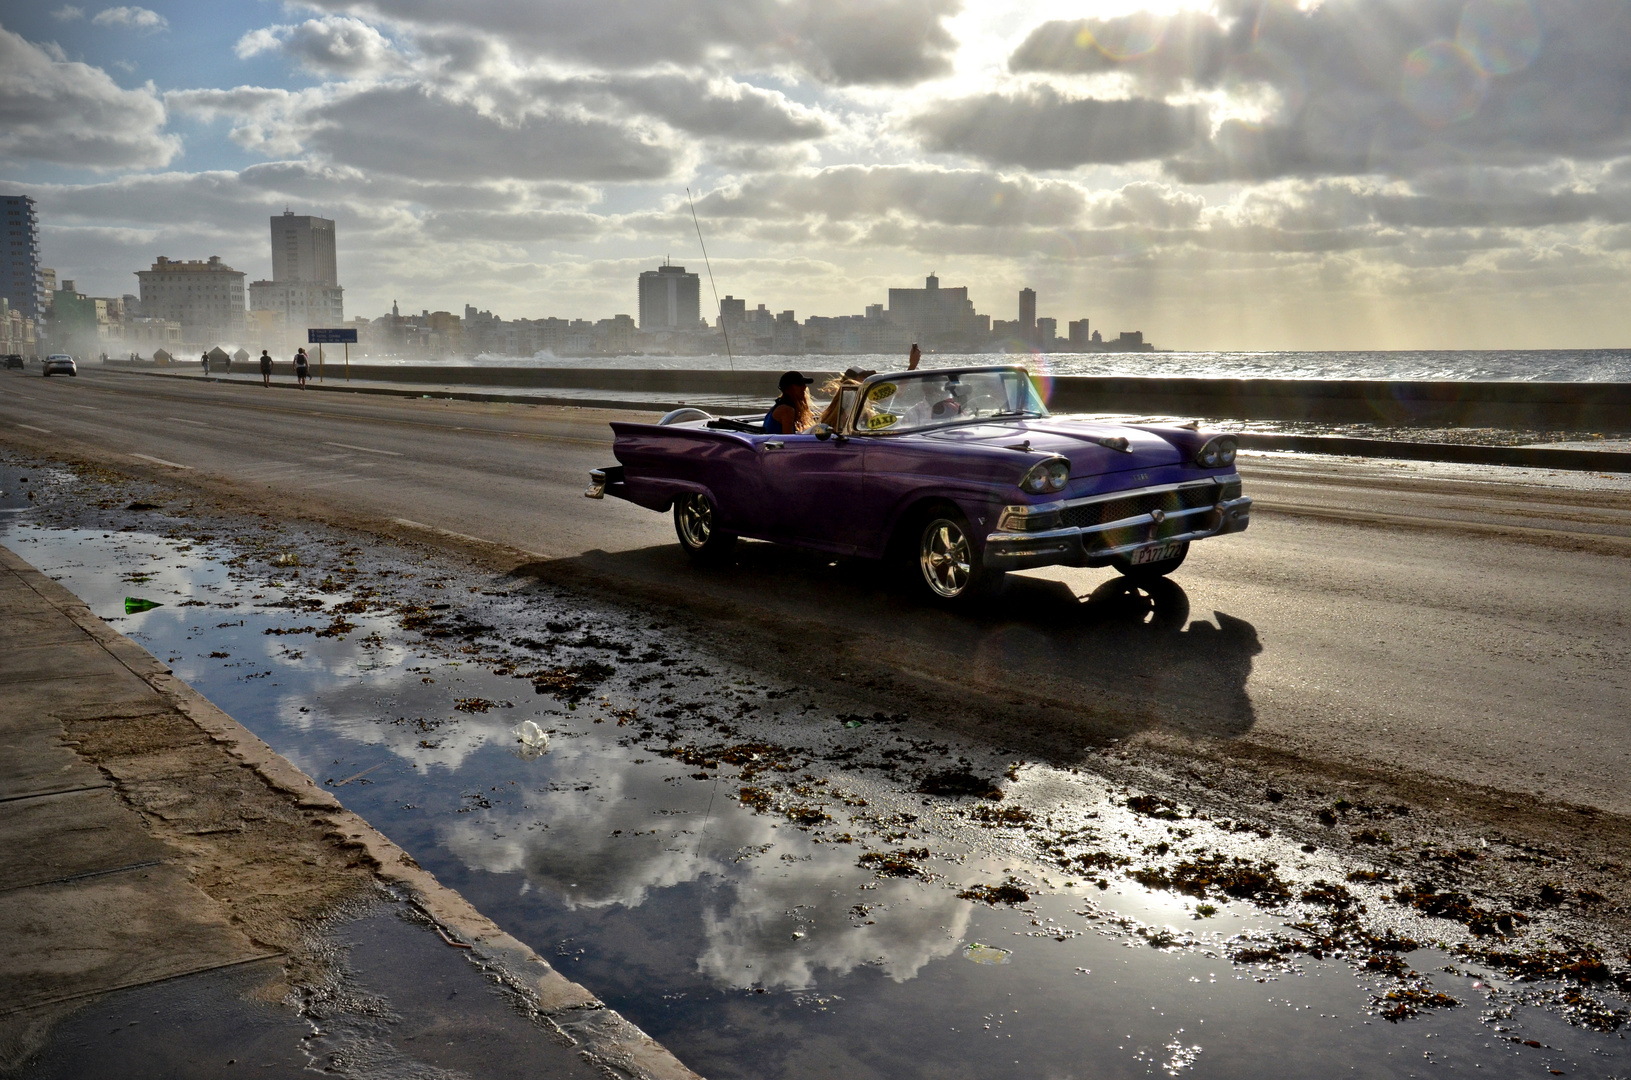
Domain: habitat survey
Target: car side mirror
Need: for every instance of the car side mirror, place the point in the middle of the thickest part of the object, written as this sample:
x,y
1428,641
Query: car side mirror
x,y
823,432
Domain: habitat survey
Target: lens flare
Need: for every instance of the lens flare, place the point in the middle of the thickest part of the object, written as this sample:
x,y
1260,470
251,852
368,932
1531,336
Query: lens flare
x,y
1125,38
1059,244
1442,84
1275,19
1041,369
1502,36
1266,79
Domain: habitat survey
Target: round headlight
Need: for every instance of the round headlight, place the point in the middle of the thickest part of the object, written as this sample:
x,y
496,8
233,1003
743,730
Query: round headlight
x,y
1218,453
1046,476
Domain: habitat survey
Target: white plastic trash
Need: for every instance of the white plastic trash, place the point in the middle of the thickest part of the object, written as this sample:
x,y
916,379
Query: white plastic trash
x,y
533,739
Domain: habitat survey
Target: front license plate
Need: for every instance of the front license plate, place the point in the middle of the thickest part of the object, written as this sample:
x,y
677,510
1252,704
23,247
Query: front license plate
x,y
1154,554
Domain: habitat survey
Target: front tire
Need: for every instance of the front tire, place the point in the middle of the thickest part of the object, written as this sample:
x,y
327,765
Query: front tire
x,y
1151,570
696,522
949,567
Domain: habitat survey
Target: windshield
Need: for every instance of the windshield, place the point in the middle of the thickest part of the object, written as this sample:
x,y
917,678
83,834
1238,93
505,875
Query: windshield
x,y
936,398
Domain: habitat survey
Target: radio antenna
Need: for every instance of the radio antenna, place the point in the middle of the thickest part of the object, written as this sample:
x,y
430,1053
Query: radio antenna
x,y
705,262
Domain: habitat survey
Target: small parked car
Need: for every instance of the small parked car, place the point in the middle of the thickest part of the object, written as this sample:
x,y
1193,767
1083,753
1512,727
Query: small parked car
x,y
14,360
957,475
59,364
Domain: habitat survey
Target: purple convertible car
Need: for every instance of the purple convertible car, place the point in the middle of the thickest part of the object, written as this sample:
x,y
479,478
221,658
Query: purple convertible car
x,y
960,475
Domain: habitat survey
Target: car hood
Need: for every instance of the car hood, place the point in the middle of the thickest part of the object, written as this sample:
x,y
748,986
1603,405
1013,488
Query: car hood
x,y
1077,440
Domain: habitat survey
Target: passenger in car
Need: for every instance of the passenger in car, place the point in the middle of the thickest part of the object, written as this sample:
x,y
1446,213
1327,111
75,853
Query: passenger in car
x,y
791,412
851,380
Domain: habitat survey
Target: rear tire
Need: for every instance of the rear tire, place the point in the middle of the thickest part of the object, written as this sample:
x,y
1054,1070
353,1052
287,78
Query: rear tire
x,y
696,523
946,563
1152,570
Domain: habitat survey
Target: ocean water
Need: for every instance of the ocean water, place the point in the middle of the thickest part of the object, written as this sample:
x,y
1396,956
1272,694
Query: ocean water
x,y
1540,365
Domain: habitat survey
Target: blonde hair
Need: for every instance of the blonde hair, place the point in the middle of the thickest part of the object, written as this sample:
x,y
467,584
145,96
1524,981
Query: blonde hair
x,y
802,417
834,387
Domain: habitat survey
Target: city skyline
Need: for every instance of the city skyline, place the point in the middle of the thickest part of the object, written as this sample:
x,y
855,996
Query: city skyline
x,y
1349,174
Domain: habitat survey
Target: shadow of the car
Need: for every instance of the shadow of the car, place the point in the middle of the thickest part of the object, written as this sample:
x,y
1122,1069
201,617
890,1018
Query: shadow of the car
x,y
1124,657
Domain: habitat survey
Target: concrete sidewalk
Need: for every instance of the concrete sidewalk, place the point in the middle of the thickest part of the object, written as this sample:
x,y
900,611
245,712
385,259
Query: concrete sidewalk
x,y
162,861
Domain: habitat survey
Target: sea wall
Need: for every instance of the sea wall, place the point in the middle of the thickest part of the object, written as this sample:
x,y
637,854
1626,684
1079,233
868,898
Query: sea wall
x,y
1576,406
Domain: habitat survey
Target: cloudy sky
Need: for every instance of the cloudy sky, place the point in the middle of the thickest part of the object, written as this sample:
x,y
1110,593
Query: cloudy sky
x,y
1264,174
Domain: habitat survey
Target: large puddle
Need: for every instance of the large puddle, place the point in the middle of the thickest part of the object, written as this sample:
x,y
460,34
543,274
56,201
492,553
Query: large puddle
x,y
767,883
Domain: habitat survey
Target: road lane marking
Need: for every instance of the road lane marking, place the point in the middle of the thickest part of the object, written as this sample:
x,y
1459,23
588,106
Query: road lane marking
x,y
410,523
71,405
364,449
184,420
31,427
161,461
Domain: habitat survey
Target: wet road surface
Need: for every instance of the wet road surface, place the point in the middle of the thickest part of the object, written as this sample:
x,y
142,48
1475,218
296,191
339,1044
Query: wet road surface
x,y
748,875
1462,624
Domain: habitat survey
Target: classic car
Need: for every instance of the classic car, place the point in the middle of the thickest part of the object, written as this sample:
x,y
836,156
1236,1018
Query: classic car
x,y
959,475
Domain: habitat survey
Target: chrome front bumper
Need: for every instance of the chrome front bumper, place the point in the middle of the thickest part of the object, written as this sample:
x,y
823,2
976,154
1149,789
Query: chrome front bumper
x,y
1076,547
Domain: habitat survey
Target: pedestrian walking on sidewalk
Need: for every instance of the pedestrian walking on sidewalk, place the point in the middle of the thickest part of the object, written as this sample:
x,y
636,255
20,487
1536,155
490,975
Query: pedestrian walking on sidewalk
x,y
302,368
266,368
206,362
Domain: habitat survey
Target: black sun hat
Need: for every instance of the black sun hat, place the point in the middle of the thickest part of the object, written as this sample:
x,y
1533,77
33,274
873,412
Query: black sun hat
x,y
792,378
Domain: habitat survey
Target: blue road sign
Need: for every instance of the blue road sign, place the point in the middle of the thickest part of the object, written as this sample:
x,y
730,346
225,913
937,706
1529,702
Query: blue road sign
x,y
331,337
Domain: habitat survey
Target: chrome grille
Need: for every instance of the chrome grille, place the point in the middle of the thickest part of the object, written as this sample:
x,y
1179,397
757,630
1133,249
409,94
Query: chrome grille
x,y
1088,515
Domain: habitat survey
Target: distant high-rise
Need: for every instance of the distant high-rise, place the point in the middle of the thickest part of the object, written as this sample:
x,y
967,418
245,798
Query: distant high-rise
x,y
1027,314
303,249
670,299
732,312
20,281
305,287
932,315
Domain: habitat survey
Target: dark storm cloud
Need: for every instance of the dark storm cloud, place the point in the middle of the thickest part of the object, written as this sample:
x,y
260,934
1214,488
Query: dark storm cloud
x,y
1389,86
1159,50
1460,199
857,192
715,108
411,132
838,41
513,227
1041,129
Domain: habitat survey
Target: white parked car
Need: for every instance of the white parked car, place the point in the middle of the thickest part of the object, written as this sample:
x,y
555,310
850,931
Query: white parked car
x,y
60,364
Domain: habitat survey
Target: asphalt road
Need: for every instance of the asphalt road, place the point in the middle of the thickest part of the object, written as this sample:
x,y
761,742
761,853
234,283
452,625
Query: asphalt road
x,y
1458,623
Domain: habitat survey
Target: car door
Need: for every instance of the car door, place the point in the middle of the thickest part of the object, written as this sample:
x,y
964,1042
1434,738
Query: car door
x,y
812,487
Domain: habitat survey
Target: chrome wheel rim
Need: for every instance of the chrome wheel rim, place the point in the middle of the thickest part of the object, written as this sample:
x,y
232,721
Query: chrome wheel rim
x,y
946,558
696,520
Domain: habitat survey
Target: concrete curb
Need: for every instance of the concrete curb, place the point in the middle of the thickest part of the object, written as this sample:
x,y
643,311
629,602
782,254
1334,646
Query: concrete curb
x,y
1531,457
1341,446
603,1036
439,395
